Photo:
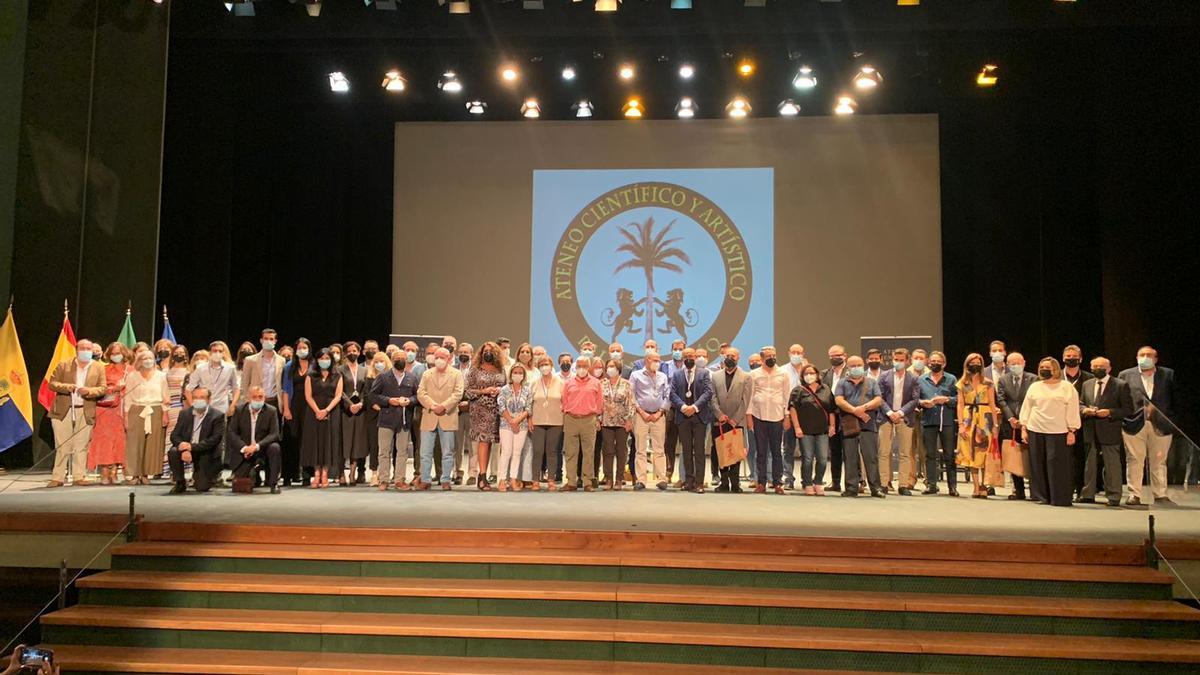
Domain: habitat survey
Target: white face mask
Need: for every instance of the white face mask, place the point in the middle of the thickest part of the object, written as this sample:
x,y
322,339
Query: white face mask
x,y
517,377
148,363
546,370
810,378
580,372
215,357
701,362
616,356
440,364
652,366
598,372
429,360
613,372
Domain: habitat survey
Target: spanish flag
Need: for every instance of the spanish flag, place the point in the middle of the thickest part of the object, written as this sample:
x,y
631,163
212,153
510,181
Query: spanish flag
x,y
16,407
63,351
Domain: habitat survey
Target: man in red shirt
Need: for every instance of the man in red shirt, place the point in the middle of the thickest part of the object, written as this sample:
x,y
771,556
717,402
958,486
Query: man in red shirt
x,y
581,403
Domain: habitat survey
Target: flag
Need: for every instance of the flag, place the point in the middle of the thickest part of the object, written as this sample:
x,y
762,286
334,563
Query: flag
x,y
167,333
63,351
16,407
127,337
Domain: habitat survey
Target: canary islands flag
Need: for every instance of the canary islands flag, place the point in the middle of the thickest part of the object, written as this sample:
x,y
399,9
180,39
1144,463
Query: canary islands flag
x,y
63,351
16,406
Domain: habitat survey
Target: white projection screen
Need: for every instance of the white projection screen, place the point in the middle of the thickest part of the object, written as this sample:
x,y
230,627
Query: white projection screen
x,y
760,231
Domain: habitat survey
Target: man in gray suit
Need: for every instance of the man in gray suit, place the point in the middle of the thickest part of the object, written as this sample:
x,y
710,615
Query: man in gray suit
x,y
1010,394
731,398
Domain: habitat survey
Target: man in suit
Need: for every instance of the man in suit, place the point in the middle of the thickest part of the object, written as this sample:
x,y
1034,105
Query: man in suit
x,y
354,400
440,391
1074,373
1106,401
265,369
77,385
832,377
253,439
395,393
464,450
1152,390
1010,394
691,395
731,399
897,418
196,439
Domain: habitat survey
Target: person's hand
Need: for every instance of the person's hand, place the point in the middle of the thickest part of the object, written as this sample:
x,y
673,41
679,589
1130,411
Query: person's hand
x,y
1070,438
863,415
514,427
628,427
895,417
405,401
799,433
832,430
926,404
321,415
439,409
229,413
355,407
186,455
287,415
725,419
1025,436
1103,412
14,662
750,422
462,407
185,446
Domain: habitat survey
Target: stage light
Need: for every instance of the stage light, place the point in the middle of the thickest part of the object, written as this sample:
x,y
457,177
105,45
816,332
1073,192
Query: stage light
x,y
686,108
987,76
313,7
845,106
460,6
606,5
626,72
867,78
509,73
449,83
381,4
632,108
476,107
681,4
240,7
804,78
394,81
745,68
738,108
908,3
568,73
530,109
338,82
583,108
788,108
686,71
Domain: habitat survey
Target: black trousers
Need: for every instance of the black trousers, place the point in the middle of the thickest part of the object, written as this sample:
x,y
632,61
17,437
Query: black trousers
x,y
1051,472
865,448
691,435
205,467
727,476
669,441
245,467
835,460
768,436
616,444
942,440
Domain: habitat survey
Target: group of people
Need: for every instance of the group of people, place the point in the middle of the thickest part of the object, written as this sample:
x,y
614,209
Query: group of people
x,y
351,413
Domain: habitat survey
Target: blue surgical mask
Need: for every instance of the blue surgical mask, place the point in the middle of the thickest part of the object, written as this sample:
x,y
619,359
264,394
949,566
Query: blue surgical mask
x,y
1016,369
677,354
85,356
256,405
410,356
324,363
200,405
796,359
857,371
997,357
1145,362
380,366
918,365
302,353
898,365
268,345
117,358
586,352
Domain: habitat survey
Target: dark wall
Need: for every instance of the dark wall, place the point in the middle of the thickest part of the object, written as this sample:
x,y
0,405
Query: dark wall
x,y
12,75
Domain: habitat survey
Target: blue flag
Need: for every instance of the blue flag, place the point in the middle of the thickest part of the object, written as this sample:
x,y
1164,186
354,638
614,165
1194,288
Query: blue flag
x,y
167,333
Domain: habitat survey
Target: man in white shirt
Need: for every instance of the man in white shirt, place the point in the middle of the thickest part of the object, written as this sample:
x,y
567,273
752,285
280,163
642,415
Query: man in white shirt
x,y
253,439
219,377
796,361
769,389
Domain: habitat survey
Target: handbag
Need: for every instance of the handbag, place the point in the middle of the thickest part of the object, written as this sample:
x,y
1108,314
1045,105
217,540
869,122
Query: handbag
x,y
731,448
1015,458
851,425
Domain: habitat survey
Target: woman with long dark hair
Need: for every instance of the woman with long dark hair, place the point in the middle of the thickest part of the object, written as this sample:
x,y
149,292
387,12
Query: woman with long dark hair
x,y
322,434
292,407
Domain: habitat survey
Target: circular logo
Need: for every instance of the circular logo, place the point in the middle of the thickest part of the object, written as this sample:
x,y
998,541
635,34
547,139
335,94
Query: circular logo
x,y
651,261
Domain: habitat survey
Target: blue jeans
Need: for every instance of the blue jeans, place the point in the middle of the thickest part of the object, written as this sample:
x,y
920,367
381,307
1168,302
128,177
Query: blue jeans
x,y
813,447
427,439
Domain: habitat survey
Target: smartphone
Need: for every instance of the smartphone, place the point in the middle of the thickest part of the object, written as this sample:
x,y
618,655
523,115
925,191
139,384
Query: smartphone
x,y
36,656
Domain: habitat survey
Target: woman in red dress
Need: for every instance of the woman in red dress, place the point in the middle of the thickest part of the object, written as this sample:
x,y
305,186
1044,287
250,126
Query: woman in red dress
x,y
107,448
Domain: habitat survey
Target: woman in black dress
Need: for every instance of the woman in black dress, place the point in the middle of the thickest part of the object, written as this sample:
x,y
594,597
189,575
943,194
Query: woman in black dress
x,y
292,407
322,435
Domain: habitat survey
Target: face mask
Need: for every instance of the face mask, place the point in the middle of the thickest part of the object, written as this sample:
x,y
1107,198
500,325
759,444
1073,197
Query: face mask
x,y
689,363
324,363
936,367
429,359
352,357
268,345
448,346
256,405
507,353
398,364
796,359
613,372
1016,369
302,353
769,362
836,361
440,364
857,371
565,367
918,365
117,358
898,365
148,363
997,357
1145,363
580,372
200,405
1100,373
810,379
337,357
974,368
85,356
587,352
517,377
652,367
730,362
410,356
464,358
489,357
616,356
178,358
1045,373
1071,362
873,365
677,354
754,365
702,362
162,354
380,367
597,373
546,370
215,357
369,355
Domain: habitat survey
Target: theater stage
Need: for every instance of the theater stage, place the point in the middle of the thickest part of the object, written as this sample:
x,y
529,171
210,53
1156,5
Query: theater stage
x,y
937,517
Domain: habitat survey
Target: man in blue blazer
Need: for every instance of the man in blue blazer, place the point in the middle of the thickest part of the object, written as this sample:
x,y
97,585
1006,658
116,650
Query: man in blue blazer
x,y
897,417
1152,389
691,397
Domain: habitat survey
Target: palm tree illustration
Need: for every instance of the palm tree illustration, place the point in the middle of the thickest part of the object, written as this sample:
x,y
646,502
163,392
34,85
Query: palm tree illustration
x,y
649,251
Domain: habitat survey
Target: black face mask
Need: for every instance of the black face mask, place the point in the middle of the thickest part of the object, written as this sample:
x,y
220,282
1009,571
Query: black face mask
x,y
464,358
873,365
769,362
936,367
178,358
162,354
369,356
398,364
730,362
974,368
449,347
1045,373
488,357
837,361
565,367
1071,363
688,363
352,357
1100,373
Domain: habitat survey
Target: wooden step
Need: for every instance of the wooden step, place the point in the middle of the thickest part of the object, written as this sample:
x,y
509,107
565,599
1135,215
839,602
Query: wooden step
x,y
1148,610
314,624
150,660
1127,574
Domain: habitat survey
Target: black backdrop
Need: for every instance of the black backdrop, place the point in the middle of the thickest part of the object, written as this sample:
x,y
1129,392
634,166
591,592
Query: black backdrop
x,y
1068,191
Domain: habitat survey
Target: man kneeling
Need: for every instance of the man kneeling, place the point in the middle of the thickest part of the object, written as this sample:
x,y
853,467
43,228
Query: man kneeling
x,y
253,438
196,439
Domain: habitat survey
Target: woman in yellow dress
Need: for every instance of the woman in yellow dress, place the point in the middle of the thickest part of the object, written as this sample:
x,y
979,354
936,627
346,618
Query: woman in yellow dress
x,y
978,421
